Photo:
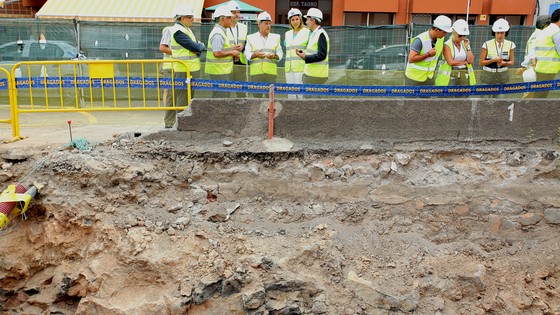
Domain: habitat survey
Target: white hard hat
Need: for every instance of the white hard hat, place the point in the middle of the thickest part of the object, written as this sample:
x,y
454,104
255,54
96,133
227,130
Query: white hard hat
x,y
293,12
264,16
222,10
183,10
461,27
500,25
443,23
530,75
314,13
233,6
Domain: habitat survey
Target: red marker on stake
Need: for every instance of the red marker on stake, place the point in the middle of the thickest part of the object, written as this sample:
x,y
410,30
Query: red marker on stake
x,y
70,128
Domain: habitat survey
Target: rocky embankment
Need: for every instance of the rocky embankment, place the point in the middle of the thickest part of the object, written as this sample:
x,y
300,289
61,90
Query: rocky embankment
x,y
155,227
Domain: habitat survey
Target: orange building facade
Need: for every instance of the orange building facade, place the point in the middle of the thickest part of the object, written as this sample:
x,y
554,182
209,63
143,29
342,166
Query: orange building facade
x,y
364,12
383,12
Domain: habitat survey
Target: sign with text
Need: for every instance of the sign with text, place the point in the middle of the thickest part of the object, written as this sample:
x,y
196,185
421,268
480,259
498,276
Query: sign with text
x,y
304,5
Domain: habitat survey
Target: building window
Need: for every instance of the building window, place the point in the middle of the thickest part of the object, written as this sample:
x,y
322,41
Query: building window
x,y
282,8
429,18
512,19
367,19
355,18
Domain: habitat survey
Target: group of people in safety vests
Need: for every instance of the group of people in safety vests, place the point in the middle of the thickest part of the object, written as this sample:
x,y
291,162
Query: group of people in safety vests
x,y
306,55
435,61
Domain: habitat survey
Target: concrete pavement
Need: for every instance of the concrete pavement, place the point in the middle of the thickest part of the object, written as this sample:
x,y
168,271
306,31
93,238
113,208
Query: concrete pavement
x,y
52,128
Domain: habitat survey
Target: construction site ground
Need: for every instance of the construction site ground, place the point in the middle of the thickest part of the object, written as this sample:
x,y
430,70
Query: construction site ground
x,y
158,221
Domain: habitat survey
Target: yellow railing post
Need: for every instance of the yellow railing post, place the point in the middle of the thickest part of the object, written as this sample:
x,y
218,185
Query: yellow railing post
x,y
13,120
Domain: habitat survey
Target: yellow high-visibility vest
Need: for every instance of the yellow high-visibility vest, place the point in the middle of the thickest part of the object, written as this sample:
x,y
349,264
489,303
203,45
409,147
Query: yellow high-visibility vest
x,y
218,66
492,49
423,70
444,71
293,63
548,60
317,69
268,45
181,53
241,30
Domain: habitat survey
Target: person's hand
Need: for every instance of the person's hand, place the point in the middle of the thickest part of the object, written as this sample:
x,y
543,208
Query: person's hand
x,y
203,47
238,47
467,42
432,52
520,71
235,53
269,56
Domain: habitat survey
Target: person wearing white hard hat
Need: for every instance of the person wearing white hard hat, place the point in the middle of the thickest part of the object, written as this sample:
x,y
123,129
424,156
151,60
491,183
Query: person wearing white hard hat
x,y
497,55
220,53
263,51
316,54
456,67
185,47
527,69
166,68
237,38
295,39
425,50
548,52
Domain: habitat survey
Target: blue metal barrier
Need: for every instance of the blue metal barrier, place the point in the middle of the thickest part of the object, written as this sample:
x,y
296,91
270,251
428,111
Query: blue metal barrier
x,y
365,91
3,84
284,88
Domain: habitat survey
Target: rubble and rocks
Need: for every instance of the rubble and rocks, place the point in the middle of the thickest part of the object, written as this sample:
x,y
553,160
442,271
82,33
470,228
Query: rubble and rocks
x,y
156,227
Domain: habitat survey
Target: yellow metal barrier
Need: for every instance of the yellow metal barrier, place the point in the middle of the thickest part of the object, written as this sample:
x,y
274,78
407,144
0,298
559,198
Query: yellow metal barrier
x,y
11,98
91,85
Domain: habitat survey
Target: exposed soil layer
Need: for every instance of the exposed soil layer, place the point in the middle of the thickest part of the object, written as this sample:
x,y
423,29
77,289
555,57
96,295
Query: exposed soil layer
x,y
140,226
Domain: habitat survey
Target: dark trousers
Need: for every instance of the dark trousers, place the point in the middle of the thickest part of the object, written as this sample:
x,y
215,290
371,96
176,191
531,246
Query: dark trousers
x,y
177,97
411,82
239,74
263,78
220,77
544,77
313,80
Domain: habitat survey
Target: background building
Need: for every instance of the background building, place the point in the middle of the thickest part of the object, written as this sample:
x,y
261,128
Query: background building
x,y
481,12
363,12
20,8
394,12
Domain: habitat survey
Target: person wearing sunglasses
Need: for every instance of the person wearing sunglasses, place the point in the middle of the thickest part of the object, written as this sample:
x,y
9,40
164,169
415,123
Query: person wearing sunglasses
x,y
456,68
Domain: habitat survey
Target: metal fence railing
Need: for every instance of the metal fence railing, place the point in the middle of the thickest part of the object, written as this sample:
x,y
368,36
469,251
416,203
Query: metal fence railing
x,y
122,40
91,85
359,55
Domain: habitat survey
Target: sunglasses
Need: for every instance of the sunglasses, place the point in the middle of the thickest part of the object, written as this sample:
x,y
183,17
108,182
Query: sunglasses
x,y
460,35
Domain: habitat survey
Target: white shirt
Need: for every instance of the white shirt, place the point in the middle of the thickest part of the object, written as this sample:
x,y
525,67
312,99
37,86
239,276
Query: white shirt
x,y
459,54
166,40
